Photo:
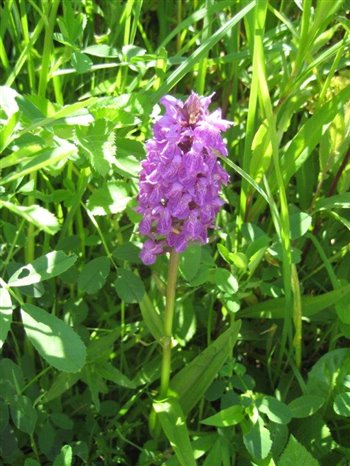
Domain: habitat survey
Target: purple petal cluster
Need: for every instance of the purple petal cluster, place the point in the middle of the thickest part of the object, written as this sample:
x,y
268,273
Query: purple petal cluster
x,y
181,178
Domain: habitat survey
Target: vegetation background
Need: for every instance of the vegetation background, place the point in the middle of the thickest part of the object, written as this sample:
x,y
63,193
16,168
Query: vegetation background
x,y
80,316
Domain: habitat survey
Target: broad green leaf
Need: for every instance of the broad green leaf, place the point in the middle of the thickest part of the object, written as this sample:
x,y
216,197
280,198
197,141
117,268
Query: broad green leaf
x,y
275,410
129,287
305,405
62,421
300,222
315,434
95,383
63,382
184,321
151,317
226,417
109,372
194,379
279,436
111,198
101,347
31,462
102,51
81,62
127,252
45,267
128,165
11,379
35,214
225,281
23,414
311,305
173,423
93,275
65,457
340,201
328,374
46,436
339,218
98,144
5,314
296,454
56,342
214,456
190,261
44,159
258,441
341,404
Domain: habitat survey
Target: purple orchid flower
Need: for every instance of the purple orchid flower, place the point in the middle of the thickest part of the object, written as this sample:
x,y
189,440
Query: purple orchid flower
x,y
181,178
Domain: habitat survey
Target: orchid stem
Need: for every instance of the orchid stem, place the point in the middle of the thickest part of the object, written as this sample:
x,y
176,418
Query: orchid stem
x,y
168,323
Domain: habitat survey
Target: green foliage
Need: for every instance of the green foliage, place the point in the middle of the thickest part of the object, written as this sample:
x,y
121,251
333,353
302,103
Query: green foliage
x,y
173,422
82,319
296,453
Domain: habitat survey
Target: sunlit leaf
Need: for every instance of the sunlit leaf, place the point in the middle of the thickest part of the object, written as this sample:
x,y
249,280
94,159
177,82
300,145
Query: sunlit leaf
x,y
56,342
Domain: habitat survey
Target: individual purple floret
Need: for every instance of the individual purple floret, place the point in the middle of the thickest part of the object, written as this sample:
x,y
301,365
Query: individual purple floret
x,y
181,178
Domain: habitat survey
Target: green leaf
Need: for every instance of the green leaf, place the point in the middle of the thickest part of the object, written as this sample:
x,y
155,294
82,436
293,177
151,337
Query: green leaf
x,y
102,51
111,198
81,62
56,342
45,267
300,222
5,314
275,410
258,441
340,201
127,252
305,406
93,275
194,379
311,305
309,136
4,415
65,457
62,421
341,404
35,214
296,454
151,317
98,144
63,382
226,417
109,372
23,414
190,261
129,287
261,153
328,374
225,281
315,435
31,462
11,379
44,158
173,423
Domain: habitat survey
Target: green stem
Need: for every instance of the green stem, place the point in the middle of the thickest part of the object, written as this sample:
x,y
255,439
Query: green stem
x,y
168,323
45,61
